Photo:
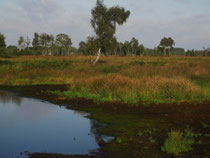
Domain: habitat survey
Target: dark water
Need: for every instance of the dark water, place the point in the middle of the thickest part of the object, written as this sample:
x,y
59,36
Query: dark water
x,y
35,126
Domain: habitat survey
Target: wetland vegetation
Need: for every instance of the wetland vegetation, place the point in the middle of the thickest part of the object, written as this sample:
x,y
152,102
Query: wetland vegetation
x,y
154,103
125,79
166,99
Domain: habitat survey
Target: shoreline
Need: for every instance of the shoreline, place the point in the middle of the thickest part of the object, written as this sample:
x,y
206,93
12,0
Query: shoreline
x,y
125,122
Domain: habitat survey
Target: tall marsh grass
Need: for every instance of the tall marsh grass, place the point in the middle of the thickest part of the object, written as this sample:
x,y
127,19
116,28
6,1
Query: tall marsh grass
x,y
132,90
124,79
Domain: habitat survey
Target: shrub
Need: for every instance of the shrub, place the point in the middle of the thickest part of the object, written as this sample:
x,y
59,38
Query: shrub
x,y
178,142
3,52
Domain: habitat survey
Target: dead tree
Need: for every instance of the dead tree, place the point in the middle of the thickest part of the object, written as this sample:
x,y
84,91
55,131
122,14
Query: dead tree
x,y
97,58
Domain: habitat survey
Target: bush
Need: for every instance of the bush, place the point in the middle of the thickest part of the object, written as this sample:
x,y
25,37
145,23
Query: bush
x,y
3,52
176,143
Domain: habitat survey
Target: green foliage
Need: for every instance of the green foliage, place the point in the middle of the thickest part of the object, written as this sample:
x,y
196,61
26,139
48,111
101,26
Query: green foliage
x,y
166,44
36,42
151,140
63,42
119,140
119,79
205,125
46,42
90,47
130,48
2,41
140,134
188,133
56,64
21,43
179,142
3,52
104,22
165,93
197,53
207,135
175,144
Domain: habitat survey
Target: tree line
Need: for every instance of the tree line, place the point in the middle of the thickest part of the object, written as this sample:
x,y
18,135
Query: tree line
x,y
104,22
46,44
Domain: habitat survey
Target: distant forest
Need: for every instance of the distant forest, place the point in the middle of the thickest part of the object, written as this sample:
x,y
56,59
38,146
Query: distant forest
x,y
103,21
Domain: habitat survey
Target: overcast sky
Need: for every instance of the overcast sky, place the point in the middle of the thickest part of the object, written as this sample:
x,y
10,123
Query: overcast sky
x,y
186,21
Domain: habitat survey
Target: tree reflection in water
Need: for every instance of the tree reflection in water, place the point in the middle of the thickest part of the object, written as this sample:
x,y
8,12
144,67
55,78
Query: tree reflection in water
x,y
7,97
100,138
95,125
81,113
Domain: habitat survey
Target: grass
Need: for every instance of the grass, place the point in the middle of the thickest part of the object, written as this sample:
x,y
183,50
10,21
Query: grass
x,y
125,79
151,140
175,144
178,142
133,90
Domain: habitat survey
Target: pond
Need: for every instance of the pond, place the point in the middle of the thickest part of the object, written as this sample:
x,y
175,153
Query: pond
x,y
31,125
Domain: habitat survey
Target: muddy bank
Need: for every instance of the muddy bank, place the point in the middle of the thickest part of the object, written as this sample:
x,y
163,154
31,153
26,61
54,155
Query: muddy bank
x,y
41,155
140,131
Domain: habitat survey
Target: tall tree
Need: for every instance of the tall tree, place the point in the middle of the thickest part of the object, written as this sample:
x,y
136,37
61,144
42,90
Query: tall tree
x,y
134,46
167,44
83,48
63,42
46,42
104,21
36,41
27,42
126,48
119,48
21,43
2,41
3,50
140,50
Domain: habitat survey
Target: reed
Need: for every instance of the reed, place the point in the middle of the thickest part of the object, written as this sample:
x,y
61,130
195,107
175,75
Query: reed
x,y
124,79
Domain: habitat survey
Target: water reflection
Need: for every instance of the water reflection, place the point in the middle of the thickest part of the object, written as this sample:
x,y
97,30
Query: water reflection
x,y
37,126
7,97
94,126
100,138
81,113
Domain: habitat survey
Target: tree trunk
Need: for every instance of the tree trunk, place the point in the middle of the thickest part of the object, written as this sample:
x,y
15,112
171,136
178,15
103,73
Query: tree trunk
x,y
169,51
98,57
164,51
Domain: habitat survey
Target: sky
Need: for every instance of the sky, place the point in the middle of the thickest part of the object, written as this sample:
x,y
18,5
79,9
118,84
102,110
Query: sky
x,y
186,21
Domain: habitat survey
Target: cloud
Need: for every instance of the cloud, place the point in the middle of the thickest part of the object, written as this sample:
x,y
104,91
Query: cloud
x,y
187,31
150,20
50,16
40,10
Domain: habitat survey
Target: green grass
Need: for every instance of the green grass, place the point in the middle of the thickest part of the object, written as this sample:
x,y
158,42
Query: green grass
x,y
178,142
151,140
128,80
175,144
132,91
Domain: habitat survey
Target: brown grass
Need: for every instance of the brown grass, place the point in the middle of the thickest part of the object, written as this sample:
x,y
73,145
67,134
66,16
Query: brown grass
x,y
141,78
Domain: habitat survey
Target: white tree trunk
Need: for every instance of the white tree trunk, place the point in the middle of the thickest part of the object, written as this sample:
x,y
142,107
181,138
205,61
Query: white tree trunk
x,y
98,57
